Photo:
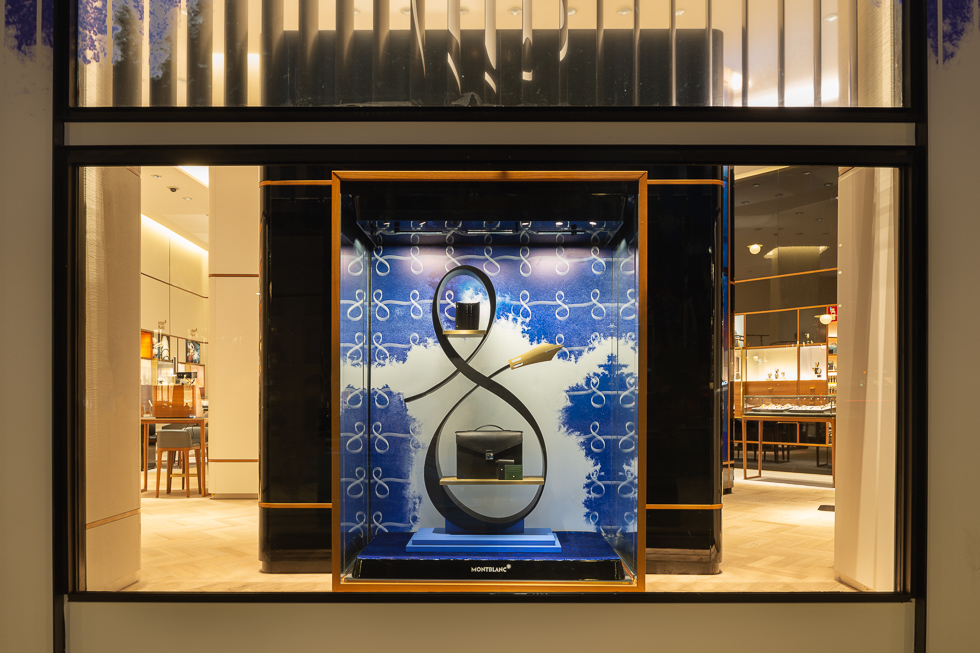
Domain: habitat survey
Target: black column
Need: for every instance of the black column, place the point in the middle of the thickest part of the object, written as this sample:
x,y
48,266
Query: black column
x,y
295,390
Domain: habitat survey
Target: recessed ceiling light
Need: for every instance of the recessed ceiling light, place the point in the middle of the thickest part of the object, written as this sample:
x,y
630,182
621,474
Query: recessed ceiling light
x,y
406,10
559,224
819,219
463,11
572,11
357,12
830,18
624,11
744,202
679,12
155,176
807,172
828,184
592,223
513,11
755,185
188,198
755,248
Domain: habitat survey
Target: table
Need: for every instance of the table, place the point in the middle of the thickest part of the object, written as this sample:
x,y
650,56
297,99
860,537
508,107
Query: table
x,y
830,419
145,422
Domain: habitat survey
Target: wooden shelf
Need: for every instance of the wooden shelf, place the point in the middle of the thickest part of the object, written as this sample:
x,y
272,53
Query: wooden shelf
x,y
466,333
527,480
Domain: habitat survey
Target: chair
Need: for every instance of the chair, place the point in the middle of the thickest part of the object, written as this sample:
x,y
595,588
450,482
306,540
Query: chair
x,y
180,441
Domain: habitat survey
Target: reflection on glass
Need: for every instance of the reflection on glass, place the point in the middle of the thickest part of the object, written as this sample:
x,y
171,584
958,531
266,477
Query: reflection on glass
x,y
481,52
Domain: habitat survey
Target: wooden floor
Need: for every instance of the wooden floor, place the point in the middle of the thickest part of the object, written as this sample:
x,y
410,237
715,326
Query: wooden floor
x,y
774,540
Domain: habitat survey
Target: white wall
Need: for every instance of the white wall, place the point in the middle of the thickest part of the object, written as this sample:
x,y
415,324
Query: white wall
x,y
112,372
954,357
233,374
25,337
864,534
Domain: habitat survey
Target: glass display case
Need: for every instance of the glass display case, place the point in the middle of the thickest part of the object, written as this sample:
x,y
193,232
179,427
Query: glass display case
x,y
490,379
789,405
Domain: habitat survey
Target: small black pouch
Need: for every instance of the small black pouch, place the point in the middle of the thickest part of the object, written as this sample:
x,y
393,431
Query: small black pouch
x,y
478,451
467,316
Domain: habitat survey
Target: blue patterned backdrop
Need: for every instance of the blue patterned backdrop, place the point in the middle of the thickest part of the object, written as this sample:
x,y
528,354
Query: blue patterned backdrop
x,y
585,400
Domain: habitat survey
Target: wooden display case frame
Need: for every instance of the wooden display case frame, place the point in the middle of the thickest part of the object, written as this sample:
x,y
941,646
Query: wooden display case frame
x,y
636,578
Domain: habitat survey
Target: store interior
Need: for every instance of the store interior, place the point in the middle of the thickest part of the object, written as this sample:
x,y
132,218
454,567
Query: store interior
x,y
801,467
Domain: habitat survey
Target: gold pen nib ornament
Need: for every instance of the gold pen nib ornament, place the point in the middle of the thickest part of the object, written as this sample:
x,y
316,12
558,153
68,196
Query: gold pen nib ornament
x,y
540,354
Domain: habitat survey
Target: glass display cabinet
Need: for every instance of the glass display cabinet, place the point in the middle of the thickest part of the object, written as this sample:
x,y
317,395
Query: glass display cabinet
x,y
792,410
490,331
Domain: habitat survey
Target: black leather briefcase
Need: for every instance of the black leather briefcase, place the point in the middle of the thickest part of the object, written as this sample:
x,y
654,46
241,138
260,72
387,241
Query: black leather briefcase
x,y
482,453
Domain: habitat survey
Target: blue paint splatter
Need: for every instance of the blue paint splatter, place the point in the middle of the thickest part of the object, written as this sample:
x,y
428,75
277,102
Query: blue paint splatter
x,y
20,22
93,28
47,23
957,23
163,35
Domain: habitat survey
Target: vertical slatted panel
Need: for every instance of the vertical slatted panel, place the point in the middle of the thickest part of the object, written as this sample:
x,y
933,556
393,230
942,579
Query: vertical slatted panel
x,y
344,62
200,44
781,53
709,69
273,59
817,53
491,79
417,82
381,89
162,25
527,52
127,49
454,84
236,53
309,36
745,53
563,63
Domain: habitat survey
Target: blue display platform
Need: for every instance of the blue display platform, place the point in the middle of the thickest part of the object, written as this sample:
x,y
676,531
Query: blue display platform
x,y
583,556
432,540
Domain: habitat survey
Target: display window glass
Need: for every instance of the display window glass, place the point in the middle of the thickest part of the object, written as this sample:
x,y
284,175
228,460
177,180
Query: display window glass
x,y
484,53
488,381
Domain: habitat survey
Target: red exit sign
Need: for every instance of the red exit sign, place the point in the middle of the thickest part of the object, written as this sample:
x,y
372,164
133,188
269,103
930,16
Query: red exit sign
x,y
832,312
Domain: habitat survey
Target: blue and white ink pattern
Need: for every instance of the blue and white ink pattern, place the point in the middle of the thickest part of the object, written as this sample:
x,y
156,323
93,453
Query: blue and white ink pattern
x,y
585,400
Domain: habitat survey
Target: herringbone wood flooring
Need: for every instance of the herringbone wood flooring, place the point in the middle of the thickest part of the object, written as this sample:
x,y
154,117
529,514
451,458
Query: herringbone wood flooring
x,y
774,540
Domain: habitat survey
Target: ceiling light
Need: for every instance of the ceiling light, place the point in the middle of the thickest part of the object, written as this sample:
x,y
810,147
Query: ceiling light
x,y
406,10
830,18
819,220
155,176
572,11
592,223
357,12
779,194
755,185
807,172
624,11
679,12
513,11
188,198
463,11
828,184
826,318
558,224
755,248
744,202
